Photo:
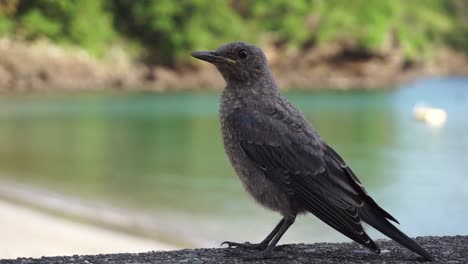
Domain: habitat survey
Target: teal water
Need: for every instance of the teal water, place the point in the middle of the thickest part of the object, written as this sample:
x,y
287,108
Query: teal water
x,y
162,154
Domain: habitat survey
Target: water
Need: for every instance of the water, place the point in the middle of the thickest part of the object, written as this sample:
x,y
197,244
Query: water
x,y
162,154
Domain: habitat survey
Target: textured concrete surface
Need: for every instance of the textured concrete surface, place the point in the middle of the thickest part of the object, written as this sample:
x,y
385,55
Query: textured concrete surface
x,y
444,249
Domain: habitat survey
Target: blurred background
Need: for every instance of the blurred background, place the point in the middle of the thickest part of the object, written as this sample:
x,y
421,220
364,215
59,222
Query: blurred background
x,y
109,135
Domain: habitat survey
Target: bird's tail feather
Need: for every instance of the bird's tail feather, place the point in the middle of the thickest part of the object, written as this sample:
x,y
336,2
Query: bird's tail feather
x,y
388,229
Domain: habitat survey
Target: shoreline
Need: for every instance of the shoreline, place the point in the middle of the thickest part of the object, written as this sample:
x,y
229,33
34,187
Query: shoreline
x,y
44,66
101,217
31,233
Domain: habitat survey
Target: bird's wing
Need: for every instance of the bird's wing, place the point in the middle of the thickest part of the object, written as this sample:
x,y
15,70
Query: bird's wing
x,y
293,157
358,185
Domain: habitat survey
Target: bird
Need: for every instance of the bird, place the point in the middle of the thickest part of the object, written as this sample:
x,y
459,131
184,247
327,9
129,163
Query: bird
x,y
283,162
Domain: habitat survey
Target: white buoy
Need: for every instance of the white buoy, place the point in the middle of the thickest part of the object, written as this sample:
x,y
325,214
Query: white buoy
x,y
434,117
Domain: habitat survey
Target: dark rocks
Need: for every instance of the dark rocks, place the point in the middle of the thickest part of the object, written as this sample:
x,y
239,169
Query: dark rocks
x,y
445,249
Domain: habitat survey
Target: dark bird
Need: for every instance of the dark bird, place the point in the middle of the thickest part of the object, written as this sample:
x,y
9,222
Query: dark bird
x,y
283,162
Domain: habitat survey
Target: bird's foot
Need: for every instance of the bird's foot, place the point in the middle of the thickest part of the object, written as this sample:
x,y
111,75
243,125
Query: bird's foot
x,y
259,246
265,253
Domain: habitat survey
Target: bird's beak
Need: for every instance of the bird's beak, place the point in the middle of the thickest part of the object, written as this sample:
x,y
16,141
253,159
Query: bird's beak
x,y
212,57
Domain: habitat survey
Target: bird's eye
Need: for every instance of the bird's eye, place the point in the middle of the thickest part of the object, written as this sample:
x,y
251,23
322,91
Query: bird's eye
x,y
242,54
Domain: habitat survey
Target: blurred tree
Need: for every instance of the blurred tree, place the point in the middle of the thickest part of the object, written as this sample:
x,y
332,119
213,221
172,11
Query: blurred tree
x,y
459,37
7,9
416,24
170,29
167,30
287,20
83,22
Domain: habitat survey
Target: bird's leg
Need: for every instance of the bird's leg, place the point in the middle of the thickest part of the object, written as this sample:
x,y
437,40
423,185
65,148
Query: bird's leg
x,y
287,222
262,245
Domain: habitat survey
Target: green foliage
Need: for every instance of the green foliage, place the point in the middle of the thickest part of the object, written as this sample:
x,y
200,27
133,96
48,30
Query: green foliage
x,y
171,29
90,25
83,22
35,25
5,24
285,19
415,25
459,39
7,8
167,30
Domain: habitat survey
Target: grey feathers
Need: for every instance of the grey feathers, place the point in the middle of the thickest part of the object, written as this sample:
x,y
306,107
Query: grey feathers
x,y
290,156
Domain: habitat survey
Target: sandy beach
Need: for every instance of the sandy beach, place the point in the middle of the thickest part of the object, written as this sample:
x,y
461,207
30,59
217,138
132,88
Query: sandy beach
x,y
31,233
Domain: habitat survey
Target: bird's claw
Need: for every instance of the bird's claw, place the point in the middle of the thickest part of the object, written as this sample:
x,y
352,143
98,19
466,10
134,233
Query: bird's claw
x,y
226,243
232,244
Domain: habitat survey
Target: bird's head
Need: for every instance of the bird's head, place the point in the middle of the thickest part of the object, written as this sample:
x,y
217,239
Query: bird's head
x,y
237,61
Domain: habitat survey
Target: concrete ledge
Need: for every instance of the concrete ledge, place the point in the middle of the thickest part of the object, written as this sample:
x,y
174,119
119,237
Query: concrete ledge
x,y
445,249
